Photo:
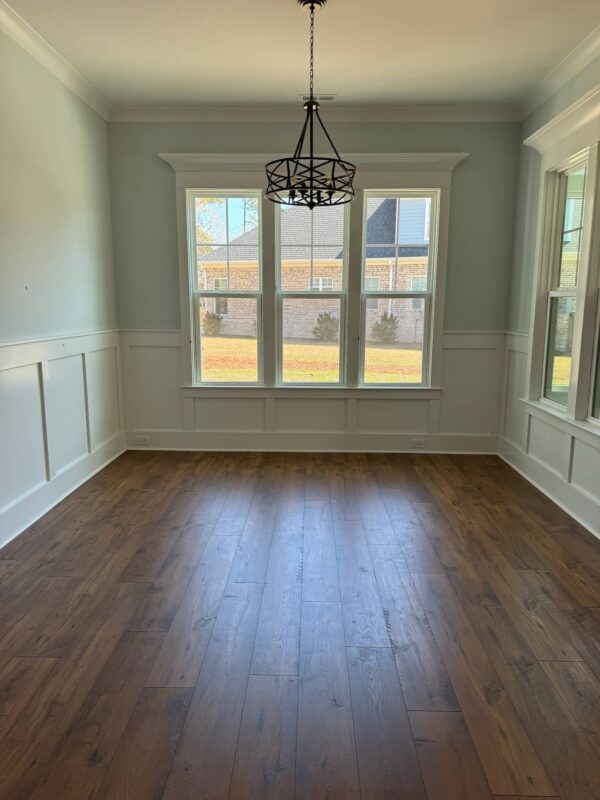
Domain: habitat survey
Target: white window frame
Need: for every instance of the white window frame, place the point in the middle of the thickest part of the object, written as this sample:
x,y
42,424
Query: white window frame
x,y
429,369
562,157
227,294
244,173
311,294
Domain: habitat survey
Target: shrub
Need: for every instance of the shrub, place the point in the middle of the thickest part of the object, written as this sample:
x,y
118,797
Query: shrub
x,y
386,330
212,324
326,328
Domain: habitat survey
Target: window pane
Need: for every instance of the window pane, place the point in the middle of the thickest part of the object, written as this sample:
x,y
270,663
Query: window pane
x,y
596,403
569,259
574,195
560,341
211,224
228,342
571,228
392,275
242,218
211,264
295,225
243,268
328,226
382,215
311,340
295,269
393,338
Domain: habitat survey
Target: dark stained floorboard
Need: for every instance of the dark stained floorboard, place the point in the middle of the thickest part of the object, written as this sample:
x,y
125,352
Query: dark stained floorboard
x,y
279,626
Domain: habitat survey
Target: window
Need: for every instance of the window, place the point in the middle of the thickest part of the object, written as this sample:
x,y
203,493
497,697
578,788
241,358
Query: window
x,y
398,267
565,362
312,253
564,275
226,286
418,283
372,284
321,284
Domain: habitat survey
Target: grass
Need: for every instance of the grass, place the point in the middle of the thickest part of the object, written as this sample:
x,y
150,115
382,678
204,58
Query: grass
x,y
233,360
561,371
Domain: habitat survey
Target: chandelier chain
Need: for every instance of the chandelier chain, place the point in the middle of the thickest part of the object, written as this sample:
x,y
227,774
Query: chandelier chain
x,y
312,48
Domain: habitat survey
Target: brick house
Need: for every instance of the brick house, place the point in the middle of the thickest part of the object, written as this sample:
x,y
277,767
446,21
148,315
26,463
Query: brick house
x,y
394,262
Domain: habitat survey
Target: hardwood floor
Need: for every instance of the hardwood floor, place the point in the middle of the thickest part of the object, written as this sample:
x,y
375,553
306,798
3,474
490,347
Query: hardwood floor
x,y
254,625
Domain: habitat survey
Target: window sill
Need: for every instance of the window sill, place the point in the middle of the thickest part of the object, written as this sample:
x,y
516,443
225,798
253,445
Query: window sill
x,y
399,393
586,430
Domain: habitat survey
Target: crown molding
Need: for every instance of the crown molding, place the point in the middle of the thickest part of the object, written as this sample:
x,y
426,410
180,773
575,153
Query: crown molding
x,y
583,115
485,112
578,59
38,48
251,162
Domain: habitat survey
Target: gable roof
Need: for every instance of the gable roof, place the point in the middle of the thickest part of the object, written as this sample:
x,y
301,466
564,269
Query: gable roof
x,y
327,228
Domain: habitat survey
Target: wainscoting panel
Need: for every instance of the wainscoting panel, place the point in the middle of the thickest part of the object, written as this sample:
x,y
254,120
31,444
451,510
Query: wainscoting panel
x,y
60,421
23,465
460,416
66,416
392,416
561,458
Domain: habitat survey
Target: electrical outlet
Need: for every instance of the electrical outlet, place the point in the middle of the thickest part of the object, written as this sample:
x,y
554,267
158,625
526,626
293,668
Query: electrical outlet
x,y
141,440
418,441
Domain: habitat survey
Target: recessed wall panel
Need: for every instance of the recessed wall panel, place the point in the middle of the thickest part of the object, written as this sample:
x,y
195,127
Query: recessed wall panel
x,y
469,385
103,394
393,416
156,379
328,416
225,414
65,411
547,444
23,465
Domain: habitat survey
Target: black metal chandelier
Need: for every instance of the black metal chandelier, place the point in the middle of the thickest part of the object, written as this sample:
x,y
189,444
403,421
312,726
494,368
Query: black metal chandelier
x,y
308,179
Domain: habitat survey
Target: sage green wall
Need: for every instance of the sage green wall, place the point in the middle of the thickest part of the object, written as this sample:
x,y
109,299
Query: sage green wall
x,y
56,265
482,210
528,195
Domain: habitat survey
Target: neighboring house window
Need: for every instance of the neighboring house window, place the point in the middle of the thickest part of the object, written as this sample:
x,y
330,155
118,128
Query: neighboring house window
x,y
395,340
220,303
321,284
311,326
372,284
226,280
418,283
564,275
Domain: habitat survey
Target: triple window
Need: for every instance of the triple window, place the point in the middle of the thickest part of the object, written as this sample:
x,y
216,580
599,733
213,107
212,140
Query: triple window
x,y
312,290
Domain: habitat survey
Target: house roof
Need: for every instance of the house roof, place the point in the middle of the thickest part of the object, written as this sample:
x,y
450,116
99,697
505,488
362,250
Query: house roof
x,y
327,235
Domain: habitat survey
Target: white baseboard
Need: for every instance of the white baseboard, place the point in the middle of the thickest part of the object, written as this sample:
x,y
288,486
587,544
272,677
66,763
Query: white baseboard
x,y
578,504
29,508
343,442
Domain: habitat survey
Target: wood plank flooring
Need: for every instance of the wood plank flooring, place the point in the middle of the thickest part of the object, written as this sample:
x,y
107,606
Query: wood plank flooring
x,y
304,627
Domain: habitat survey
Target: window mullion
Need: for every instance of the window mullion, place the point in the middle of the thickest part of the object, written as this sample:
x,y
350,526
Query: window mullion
x,y
585,318
354,240
270,248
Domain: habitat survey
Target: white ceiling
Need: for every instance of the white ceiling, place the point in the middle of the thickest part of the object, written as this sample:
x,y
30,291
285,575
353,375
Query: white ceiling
x,y
188,52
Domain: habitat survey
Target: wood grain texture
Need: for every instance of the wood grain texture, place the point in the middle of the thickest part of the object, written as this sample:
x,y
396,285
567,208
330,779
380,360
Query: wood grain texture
x,y
266,750
449,762
301,626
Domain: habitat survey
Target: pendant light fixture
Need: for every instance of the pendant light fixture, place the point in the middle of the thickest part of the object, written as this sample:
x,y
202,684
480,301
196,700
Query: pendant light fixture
x,y
306,179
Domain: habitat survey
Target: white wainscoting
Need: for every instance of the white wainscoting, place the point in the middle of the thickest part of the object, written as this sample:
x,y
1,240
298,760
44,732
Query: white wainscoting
x,y
61,420
460,416
561,458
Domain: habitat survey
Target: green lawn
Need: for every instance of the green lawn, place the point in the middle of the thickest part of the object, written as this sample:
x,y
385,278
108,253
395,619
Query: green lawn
x,y
227,359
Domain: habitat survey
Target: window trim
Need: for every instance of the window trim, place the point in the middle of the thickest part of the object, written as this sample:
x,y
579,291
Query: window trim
x,y
284,294
555,164
431,331
381,171
196,294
